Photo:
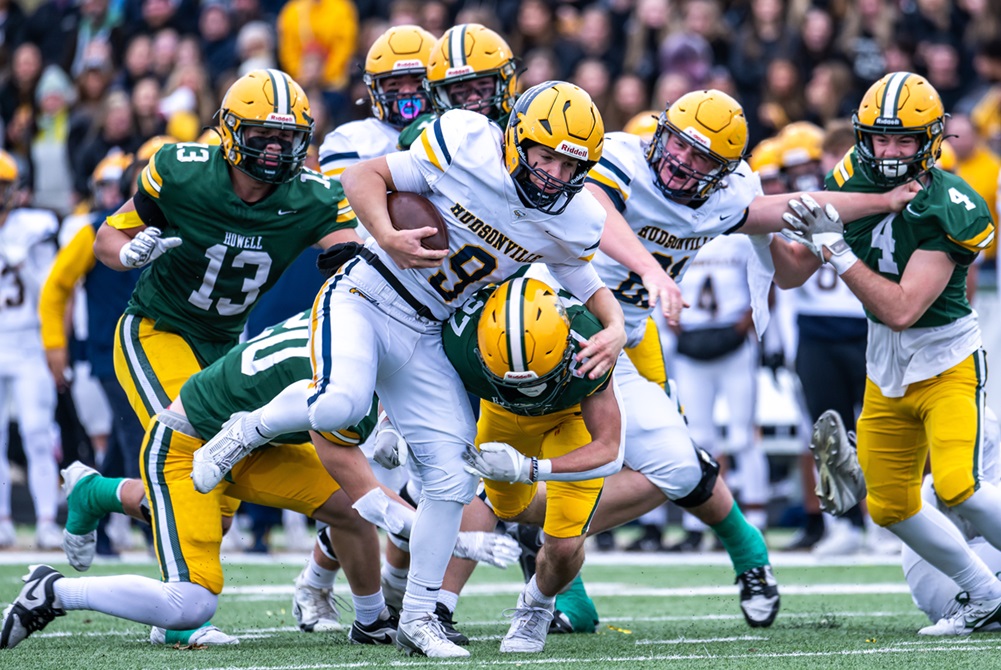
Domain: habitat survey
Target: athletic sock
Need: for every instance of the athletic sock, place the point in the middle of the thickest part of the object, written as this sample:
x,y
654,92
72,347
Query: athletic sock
x,y
449,599
318,577
368,608
93,498
743,542
536,598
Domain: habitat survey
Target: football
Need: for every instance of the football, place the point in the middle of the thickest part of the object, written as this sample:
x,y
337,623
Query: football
x,y
409,211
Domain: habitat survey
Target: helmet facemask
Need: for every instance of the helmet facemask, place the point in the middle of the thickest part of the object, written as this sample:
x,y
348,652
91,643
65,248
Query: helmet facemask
x,y
493,106
542,191
890,172
249,155
397,108
697,185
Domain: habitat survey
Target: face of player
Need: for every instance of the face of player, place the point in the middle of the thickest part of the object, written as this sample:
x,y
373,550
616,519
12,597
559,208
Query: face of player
x,y
805,177
556,165
895,146
473,94
407,93
270,141
684,160
107,194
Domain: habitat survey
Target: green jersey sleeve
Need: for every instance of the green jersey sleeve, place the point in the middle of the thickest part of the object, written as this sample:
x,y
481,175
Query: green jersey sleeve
x,y
232,251
460,343
251,374
410,134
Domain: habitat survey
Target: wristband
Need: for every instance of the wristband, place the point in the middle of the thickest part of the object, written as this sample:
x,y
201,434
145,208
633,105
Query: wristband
x,y
842,257
544,468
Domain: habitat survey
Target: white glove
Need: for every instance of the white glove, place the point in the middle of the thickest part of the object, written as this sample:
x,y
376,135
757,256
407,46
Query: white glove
x,y
824,227
146,247
499,551
500,462
390,447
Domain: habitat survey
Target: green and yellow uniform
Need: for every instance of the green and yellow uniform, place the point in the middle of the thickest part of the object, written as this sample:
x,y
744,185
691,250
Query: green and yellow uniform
x,y
187,526
191,304
925,386
547,424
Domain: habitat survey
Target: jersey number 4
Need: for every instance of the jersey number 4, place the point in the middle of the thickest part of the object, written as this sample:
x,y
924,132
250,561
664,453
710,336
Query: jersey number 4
x,y
251,288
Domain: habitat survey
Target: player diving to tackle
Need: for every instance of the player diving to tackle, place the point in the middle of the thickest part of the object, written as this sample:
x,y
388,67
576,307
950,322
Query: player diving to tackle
x,y
387,304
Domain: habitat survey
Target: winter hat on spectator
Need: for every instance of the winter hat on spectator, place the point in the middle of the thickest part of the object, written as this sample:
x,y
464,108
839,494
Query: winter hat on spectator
x,y
55,81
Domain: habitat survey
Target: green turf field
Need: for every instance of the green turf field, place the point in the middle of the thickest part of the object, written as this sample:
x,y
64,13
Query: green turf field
x,y
655,614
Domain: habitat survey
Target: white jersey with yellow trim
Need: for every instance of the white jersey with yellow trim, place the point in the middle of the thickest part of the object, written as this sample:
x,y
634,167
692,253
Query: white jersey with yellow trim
x,y
672,232
27,249
492,234
715,285
356,141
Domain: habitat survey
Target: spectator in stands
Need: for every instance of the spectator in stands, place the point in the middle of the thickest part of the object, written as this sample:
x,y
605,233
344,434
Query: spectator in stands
x,y
535,27
704,18
112,131
52,174
828,93
218,41
17,97
255,47
629,97
976,164
136,64
815,43
12,19
540,65
164,52
867,31
146,108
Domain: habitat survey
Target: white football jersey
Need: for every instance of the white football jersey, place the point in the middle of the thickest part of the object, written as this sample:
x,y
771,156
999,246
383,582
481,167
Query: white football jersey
x,y
356,141
672,232
825,294
715,285
491,233
27,249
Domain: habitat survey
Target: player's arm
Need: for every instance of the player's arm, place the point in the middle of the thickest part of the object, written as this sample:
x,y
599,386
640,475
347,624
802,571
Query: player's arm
x,y
72,263
598,355
130,238
899,306
620,242
765,212
366,184
794,263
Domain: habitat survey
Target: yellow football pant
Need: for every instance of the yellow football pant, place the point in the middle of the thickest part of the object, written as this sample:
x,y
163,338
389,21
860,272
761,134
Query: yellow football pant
x,y
569,505
941,416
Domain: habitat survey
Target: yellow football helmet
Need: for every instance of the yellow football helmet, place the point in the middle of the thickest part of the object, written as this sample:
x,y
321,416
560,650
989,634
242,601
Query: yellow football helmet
x,y
523,341
265,99
901,103
643,124
401,50
9,176
468,52
713,124
108,181
766,157
560,116
802,142
152,145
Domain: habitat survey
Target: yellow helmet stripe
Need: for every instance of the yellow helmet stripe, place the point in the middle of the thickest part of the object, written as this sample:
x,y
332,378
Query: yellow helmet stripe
x,y
282,97
516,325
456,46
891,95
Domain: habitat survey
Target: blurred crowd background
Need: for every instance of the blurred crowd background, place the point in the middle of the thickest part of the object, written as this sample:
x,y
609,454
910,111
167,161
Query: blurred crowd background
x,y
84,79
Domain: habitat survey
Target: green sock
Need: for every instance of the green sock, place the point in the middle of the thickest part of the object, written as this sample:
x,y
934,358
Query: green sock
x,y
744,542
92,499
578,606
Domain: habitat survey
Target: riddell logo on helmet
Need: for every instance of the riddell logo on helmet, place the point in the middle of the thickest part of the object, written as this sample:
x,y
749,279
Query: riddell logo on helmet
x,y
459,71
520,376
571,149
887,121
281,118
697,137
408,64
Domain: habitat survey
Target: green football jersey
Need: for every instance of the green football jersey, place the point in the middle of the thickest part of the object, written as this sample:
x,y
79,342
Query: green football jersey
x,y
459,339
232,252
946,215
251,374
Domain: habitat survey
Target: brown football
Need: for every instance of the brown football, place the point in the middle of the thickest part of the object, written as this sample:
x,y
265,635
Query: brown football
x,y
409,211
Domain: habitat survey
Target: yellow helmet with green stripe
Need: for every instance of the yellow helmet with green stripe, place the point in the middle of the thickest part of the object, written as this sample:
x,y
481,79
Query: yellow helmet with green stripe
x,y
901,103
523,339
469,52
265,99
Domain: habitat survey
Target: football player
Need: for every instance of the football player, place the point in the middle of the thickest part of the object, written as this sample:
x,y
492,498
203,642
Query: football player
x,y
395,68
539,421
217,226
664,200
385,306
925,364
188,526
27,248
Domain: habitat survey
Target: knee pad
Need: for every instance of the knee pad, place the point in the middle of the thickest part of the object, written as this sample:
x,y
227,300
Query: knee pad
x,y
191,605
704,489
324,539
337,408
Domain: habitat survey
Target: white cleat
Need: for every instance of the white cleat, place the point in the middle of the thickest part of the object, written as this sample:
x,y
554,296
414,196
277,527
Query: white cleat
x,y
973,615
529,627
34,608
425,637
208,635
315,610
840,484
759,596
842,539
8,536
48,536
213,461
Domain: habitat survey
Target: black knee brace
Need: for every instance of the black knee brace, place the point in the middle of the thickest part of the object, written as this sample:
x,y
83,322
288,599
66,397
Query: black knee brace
x,y
704,489
325,546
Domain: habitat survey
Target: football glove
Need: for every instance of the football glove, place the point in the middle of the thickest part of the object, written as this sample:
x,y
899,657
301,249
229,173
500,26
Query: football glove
x,y
146,247
816,227
498,550
390,448
500,462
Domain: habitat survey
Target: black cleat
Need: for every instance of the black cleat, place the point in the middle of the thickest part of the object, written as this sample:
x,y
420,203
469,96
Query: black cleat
x,y
380,631
448,625
759,596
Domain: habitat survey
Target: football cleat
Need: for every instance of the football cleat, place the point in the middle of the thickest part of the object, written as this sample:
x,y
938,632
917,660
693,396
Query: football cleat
x,y
842,539
973,615
238,437
424,636
48,536
561,624
34,608
8,535
759,596
840,484
207,635
529,627
315,609
445,618
380,631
